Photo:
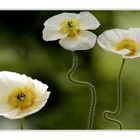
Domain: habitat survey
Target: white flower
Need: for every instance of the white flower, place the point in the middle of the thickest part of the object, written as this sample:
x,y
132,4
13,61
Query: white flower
x,y
20,95
123,42
71,28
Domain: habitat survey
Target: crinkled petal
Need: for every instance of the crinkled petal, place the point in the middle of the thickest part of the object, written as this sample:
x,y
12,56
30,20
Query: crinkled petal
x,y
87,21
108,39
4,107
9,80
55,21
137,54
123,52
14,81
84,41
50,35
11,114
134,34
40,87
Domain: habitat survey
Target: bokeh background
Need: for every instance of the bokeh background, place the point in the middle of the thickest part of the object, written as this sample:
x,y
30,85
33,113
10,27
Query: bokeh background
x,y
23,50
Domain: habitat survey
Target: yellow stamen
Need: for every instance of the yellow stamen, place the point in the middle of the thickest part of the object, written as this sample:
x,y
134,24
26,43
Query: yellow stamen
x,y
127,44
22,98
70,27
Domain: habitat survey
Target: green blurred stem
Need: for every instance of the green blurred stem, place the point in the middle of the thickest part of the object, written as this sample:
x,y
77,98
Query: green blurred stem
x,y
22,123
119,99
89,85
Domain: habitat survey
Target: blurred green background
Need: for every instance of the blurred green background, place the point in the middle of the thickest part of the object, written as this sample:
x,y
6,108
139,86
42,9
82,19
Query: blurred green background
x,y
23,50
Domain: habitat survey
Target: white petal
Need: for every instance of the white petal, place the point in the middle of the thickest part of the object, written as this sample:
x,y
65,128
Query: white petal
x,y
108,39
130,57
11,114
134,34
123,52
88,21
27,81
43,94
137,54
50,35
10,80
40,87
55,21
84,41
4,107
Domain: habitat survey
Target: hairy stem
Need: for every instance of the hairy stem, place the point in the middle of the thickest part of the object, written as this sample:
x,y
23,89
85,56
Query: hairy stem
x,y
89,85
22,123
119,100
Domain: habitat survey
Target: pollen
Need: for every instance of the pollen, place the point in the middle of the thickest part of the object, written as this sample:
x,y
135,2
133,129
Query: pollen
x,y
22,98
127,44
70,27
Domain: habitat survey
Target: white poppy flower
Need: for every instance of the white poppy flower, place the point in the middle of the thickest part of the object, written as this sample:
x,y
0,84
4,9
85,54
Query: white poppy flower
x,y
123,42
71,28
20,95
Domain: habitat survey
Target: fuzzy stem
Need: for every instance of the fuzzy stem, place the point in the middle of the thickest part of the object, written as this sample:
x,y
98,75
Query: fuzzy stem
x,y
89,85
119,100
22,123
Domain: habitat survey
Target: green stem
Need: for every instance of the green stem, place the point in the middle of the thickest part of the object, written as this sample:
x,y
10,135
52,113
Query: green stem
x,y
119,100
89,85
22,123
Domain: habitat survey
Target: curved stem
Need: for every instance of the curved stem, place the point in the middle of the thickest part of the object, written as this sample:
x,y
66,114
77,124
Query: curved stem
x,y
22,123
89,85
119,100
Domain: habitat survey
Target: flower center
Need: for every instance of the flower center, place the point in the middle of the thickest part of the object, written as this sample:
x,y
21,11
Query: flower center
x,y
127,44
22,98
70,27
